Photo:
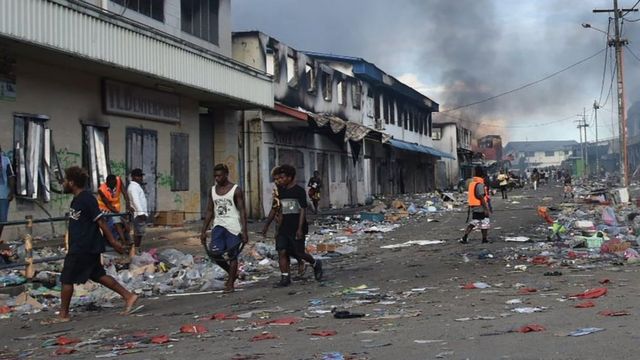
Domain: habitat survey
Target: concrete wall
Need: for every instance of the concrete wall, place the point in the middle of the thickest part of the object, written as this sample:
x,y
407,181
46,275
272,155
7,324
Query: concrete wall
x,y
172,23
66,95
448,143
540,159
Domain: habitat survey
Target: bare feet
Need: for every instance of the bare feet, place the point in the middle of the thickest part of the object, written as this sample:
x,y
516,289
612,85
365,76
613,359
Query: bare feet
x,y
129,304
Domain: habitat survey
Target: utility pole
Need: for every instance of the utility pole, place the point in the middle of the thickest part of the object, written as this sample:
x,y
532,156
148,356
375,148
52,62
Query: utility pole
x,y
618,43
582,125
595,113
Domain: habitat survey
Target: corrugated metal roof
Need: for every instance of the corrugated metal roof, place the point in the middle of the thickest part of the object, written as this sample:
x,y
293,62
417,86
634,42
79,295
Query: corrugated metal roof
x,y
419,148
86,33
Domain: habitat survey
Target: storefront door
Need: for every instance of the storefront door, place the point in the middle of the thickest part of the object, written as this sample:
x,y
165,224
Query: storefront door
x,y
142,152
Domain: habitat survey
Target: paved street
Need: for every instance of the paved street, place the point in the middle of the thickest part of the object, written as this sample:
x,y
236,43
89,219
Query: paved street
x,y
437,319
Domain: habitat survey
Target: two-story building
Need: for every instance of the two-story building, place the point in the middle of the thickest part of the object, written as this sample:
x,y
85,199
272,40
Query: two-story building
x,y
452,138
540,154
363,130
113,85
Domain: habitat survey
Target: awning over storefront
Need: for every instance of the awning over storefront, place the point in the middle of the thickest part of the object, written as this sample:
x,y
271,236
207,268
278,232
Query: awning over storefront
x,y
403,145
353,131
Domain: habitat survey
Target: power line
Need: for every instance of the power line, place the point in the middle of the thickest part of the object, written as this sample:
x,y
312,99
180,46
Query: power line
x,y
633,7
604,70
632,53
526,85
507,126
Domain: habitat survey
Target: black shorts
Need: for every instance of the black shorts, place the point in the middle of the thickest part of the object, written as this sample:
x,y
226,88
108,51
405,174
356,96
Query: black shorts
x,y
290,244
78,268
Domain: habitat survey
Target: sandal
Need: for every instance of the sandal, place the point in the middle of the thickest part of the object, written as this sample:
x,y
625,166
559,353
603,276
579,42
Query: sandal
x,y
553,273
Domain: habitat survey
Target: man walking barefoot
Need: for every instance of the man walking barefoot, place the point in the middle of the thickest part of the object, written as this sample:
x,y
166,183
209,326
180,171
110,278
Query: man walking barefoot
x,y
87,233
226,209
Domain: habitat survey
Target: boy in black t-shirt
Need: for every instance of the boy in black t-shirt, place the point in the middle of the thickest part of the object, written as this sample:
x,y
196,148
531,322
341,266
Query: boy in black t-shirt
x,y
87,232
293,228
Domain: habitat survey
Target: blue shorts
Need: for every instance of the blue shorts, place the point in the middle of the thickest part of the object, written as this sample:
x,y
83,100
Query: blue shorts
x,y
4,210
222,241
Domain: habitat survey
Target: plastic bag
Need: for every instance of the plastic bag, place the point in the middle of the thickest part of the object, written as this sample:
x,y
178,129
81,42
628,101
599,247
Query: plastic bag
x,y
609,216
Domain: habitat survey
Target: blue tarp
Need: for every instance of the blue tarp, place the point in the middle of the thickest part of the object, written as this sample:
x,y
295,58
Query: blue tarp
x,y
399,144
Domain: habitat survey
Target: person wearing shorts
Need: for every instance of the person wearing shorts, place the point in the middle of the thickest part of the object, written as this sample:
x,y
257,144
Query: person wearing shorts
x,y
478,199
226,209
290,239
87,233
109,194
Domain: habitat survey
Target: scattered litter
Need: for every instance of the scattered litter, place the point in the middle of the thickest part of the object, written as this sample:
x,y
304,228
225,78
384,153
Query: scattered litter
x,y
530,328
413,242
585,331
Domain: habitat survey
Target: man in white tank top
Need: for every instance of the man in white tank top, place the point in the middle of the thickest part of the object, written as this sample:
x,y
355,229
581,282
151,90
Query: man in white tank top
x,y
226,209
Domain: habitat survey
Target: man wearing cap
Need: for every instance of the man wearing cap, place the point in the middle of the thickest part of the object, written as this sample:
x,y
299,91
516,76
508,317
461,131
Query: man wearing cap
x,y
138,201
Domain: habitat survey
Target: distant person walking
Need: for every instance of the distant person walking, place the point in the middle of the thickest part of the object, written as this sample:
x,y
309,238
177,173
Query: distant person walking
x,y
568,187
140,207
315,184
535,178
7,186
503,181
478,200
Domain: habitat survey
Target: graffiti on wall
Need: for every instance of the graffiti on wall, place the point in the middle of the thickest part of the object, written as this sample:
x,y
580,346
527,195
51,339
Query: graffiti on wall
x,y
118,168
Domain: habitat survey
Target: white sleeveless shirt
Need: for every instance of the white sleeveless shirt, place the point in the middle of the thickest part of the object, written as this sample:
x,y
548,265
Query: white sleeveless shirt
x,y
225,211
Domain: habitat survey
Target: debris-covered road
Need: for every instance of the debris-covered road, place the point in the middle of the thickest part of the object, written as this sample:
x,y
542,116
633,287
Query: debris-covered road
x,y
516,300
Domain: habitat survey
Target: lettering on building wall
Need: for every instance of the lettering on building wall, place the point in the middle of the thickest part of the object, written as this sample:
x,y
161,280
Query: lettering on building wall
x,y
134,101
291,138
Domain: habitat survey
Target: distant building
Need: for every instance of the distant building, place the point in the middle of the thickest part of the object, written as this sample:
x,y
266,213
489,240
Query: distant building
x,y
452,138
540,154
490,146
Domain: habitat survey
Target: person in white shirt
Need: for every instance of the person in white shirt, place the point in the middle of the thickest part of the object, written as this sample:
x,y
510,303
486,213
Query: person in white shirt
x,y
138,201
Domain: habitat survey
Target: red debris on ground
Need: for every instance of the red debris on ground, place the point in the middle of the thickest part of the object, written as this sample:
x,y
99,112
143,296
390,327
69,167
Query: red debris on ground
x,y
613,313
527,291
223,316
193,329
540,260
586,304
283,321
469,286
64,351
63,340
160,339
5,309
530,328
604,281
591,294
263,336
324,333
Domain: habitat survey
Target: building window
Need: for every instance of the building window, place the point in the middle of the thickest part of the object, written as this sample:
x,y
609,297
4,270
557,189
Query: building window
x,y
273,64
549,153
385,109
529,154
272,159
566,152
332,165
95,154
437,133
342,94
343,168
151,8
356,94
292,74
326,86
361,169
310,74
392,111
180,162
200,18
34,157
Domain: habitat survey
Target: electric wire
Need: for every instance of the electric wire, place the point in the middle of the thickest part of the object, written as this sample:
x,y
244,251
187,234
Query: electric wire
x,y
633,7
525,85
604,70
484,123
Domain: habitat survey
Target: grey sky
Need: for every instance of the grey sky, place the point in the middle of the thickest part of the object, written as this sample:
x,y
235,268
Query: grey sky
x,y
461,51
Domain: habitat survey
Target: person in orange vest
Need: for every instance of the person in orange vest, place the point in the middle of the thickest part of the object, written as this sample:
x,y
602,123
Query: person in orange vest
x,y
109,194
479,208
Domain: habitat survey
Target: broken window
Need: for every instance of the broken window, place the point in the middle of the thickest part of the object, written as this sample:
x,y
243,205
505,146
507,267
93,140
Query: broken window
x,y
356,94
332,164
376,106
429,123
292,74
273,66
437,134
360,167
272,159
95,154
180,162
35,158
151,8
326,86
310,74
342,96
370,104
392,112
343,168
385,110
200,18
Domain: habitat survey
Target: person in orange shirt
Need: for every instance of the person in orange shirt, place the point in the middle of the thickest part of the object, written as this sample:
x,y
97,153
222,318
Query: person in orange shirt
x,y
479,206
109,194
